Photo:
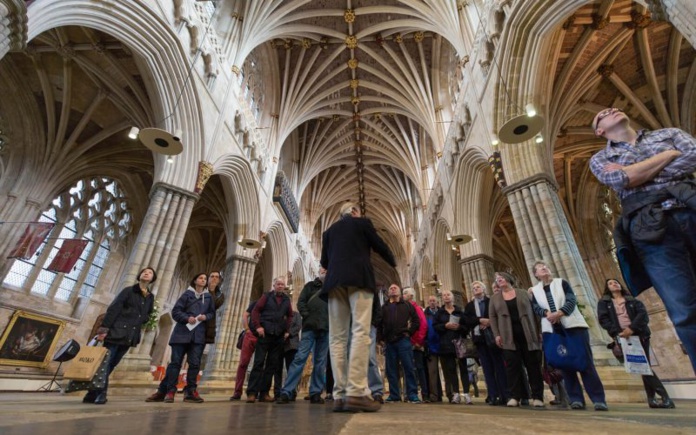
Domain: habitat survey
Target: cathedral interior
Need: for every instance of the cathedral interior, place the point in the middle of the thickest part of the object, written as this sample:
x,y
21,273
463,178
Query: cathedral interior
x,y
286,110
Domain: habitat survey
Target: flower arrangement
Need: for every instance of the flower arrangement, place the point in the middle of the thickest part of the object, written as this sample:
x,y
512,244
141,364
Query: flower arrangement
x,y
154,317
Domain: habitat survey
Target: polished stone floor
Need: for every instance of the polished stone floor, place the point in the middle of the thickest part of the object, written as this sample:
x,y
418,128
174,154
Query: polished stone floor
x,y
51,413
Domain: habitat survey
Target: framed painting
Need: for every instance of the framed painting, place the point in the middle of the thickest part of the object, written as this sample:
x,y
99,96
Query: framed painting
x,y
29,340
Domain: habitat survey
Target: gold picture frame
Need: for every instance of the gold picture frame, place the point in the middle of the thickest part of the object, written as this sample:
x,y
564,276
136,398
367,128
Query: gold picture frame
x,y
29,340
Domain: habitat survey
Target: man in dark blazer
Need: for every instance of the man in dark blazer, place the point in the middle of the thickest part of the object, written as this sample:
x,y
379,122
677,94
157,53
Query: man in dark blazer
x,y
350,289
490,356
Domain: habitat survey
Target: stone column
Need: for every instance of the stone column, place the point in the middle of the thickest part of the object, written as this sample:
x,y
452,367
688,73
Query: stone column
x,y
223,357
158,245
545,235
478,268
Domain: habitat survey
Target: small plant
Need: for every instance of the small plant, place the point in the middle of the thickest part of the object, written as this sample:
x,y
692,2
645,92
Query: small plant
x,y
154,317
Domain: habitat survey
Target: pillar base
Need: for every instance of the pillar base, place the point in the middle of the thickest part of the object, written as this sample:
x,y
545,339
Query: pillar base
x,y
132,376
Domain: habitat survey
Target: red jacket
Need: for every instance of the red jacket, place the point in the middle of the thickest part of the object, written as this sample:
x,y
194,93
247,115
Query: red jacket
x,y
418,338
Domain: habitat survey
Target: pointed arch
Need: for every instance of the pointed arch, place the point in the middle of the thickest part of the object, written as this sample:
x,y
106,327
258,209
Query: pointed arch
x,y
175,106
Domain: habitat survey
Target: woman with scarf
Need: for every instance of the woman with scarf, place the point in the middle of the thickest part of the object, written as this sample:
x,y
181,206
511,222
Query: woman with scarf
x,y
191,313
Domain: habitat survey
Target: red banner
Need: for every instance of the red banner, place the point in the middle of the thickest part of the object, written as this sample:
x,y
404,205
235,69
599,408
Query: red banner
x,y
67,255
33,237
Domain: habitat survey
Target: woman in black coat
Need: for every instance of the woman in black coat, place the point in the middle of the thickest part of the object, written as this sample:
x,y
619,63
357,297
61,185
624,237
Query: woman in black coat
x,y
623,316
449,331
120,329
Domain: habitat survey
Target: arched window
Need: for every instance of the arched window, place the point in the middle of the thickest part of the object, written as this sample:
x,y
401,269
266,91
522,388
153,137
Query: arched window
x,y
94,210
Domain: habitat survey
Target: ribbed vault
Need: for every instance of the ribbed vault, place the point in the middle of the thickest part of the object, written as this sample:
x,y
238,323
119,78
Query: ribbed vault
x,y
366,93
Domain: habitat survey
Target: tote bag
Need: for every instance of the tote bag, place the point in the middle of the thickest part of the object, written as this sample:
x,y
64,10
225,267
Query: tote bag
x,y
85,364
635,360
98,382
565,351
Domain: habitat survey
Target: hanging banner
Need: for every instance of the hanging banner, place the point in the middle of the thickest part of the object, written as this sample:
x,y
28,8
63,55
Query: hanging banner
x,y
33,237
67,255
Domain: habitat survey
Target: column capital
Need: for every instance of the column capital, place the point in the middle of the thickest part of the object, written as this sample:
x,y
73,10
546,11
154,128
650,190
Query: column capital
x,y
534,179
165,186
475,258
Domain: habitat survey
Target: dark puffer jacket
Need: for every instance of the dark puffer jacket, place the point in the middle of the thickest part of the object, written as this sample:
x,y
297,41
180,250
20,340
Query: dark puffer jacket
x,y
191,305
447,335
313,309
126,316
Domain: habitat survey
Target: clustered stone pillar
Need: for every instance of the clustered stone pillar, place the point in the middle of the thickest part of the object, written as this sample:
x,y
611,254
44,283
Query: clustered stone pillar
x,y
158,245
545,235
478,268
223,357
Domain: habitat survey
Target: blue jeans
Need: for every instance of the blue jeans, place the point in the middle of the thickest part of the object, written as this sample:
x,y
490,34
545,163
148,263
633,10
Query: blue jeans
x,y
590,378
193,352
374,377
401,351
671,266
493,371
316,342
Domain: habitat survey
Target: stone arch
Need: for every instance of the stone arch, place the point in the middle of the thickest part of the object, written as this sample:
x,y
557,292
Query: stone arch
x,y
276,238
474,185
446,265
426,277
243,219
298,279
154,41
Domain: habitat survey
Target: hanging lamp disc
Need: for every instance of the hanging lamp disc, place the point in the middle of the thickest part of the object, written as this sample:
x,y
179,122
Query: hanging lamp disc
x,y
161,141
520,128
249,243
460,239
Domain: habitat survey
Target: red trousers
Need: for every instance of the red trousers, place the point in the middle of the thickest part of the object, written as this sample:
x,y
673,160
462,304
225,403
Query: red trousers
x,y
248,347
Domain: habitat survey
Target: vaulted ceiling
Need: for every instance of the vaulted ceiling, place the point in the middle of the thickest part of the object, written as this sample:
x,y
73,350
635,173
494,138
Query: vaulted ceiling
x,y
366,92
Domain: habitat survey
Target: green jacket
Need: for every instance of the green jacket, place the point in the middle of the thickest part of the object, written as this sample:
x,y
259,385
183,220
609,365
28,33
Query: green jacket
x,y
313,309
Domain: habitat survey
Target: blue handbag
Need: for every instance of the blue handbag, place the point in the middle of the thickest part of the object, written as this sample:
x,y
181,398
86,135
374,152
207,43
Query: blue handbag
x,y
565,351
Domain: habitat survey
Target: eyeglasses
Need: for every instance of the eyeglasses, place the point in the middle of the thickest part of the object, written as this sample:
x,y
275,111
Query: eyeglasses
x,y
604,113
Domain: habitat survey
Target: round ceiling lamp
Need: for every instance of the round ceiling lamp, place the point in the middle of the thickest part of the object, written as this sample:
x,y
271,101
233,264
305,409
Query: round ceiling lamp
x,y
521,128
460,239
161,141
249,243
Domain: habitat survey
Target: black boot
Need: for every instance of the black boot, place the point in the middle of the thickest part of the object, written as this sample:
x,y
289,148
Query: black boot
x,y
653,403
90,396
667,403
101,398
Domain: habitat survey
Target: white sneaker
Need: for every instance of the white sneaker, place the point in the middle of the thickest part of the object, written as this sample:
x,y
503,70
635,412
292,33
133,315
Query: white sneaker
x,y
513,403
456,399
537,403
467,399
